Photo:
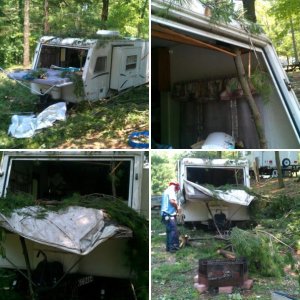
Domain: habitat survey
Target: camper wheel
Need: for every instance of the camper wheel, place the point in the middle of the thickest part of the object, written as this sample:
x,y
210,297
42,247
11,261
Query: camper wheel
x,y
286,162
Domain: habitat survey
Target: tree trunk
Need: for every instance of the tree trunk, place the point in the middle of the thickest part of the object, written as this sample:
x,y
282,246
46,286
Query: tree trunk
x,y
279,171
143,11
25,254
294,41
249,9
113,179
104,14
46,17
26,59
21,17
251,102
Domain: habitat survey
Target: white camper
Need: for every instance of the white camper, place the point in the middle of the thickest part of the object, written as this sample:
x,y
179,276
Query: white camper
x,y
193,65
78,238
202,183
74,69
266,163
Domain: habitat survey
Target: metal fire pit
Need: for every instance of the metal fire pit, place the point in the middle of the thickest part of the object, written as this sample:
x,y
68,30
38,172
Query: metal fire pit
x,y
219,273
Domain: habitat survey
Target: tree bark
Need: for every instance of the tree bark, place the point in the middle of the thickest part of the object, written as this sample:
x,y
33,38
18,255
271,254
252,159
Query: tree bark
x,y
249,9
104,14
21,17
294,41
113,179
251,102
26,51
279,171
25,253
46,17
143,11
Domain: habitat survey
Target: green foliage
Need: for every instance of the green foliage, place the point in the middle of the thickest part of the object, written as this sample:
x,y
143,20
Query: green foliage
x,y
222,12
14,201
275,17
99,124
261,83
162,172
38,73
72,18
76,78
261,252
119,212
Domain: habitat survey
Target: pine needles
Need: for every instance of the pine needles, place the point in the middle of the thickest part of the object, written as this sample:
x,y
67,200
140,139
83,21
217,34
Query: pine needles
x,y
137,252
262,253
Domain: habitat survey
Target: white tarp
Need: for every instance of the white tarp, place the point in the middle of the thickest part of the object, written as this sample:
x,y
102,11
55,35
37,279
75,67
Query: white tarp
x,y
194,191
26,126
74,229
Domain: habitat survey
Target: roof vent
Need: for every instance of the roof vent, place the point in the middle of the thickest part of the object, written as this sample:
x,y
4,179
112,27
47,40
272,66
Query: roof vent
x,y
108,32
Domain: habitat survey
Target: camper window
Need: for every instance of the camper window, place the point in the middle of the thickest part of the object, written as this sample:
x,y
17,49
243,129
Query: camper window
x,y
100,65
131,62
62,57
215,176
56,180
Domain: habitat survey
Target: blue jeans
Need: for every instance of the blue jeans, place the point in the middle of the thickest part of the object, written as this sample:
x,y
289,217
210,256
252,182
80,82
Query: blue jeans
x,y
172,242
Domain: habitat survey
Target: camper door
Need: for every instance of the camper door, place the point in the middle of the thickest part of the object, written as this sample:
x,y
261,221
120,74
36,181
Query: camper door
x,y
125,67
58,175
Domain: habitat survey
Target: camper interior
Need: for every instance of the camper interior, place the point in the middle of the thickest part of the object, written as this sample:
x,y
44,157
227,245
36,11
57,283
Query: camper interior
x,y
196,90
56,180
62,57
215,176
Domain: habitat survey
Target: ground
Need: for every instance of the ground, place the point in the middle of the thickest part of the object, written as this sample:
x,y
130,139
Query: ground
x,y
172,274
102,124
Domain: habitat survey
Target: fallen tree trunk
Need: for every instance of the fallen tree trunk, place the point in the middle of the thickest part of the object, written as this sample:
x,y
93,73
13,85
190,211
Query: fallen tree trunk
x,y
251,102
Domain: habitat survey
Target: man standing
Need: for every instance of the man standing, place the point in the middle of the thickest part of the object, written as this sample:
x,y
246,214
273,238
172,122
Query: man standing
x,y
169,210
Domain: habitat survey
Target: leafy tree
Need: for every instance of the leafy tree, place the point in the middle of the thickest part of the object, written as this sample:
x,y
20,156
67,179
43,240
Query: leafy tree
x,y
286,13
162,172
74,18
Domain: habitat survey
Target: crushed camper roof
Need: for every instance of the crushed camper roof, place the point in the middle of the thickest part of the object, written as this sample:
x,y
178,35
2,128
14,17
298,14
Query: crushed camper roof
x,y
193,13
52,40
81,42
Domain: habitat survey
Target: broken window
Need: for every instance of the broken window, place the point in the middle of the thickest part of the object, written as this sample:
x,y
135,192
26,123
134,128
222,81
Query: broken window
x,y
62,57
131,62
214,176
56,180
100,65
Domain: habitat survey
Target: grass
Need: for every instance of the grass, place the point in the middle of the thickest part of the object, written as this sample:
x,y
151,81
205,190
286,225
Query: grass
x,y
173,274
89,125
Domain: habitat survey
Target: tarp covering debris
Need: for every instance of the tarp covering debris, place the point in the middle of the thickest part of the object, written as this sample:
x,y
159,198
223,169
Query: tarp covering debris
x,y
74,229
194,192
26,126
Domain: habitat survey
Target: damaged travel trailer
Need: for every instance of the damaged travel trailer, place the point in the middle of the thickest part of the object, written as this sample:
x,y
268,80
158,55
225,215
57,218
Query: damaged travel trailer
x,y
75,69
196,91
214,189
83,241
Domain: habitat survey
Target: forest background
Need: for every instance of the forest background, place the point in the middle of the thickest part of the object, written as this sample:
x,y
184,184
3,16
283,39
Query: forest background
x,y
23,22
